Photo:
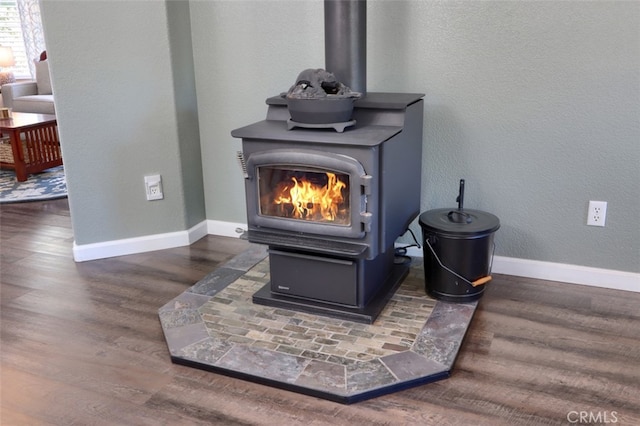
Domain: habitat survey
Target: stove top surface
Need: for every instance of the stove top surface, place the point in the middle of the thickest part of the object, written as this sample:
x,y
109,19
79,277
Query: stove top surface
x,y
278,130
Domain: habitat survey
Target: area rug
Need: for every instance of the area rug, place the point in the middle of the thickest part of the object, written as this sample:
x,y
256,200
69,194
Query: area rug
x,y
48,185
214,326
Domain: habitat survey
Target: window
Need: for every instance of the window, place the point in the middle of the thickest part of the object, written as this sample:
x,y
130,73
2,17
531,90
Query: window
x,y
21,29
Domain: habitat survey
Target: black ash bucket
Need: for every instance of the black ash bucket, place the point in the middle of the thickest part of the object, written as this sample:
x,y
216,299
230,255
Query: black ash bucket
x,y
458,251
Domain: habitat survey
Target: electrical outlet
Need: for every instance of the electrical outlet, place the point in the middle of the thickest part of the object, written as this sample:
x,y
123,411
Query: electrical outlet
x,y
153,186
597,213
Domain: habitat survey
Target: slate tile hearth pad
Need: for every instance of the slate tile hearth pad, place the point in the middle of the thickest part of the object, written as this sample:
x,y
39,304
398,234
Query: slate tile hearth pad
x,y
215,326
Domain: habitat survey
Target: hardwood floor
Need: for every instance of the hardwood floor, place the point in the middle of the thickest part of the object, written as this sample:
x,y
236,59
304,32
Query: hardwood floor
x,y
81,344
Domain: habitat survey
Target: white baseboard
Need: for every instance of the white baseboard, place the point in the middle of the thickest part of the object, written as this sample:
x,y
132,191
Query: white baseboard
x,y
562,272
574,274
226,229
85,252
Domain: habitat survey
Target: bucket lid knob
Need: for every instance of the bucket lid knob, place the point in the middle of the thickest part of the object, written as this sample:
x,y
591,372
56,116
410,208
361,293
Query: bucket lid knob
x,y
458,216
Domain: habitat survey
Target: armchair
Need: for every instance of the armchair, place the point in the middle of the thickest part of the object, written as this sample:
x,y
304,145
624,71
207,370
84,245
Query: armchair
x,y
31,96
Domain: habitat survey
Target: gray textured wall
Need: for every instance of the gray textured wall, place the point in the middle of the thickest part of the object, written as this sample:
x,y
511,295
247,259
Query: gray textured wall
x,y
114,75
534,103
244,53
184,87
537,105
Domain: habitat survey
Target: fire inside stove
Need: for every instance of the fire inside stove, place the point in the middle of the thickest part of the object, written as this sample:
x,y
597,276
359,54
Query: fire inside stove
x,y
304,194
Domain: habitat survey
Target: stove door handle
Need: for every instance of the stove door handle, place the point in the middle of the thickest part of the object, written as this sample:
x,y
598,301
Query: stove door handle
x,y
365,181
366,219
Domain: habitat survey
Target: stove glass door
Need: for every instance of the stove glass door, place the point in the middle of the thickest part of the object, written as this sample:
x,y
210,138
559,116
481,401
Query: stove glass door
x,y
306,194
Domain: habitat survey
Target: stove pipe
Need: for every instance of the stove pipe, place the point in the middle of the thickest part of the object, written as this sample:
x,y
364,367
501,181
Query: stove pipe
x,y
345,42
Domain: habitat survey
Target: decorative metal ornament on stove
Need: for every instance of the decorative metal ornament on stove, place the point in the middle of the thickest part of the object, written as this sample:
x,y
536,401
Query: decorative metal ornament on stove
x,y
319,100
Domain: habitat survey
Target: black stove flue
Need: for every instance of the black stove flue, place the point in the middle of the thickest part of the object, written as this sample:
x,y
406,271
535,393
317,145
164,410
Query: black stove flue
x,y
345,42
340,265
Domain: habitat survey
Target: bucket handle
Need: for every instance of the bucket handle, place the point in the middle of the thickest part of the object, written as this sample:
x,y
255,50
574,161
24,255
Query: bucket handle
x,y
479,281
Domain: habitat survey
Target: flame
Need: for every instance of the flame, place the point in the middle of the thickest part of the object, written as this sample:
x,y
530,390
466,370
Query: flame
x,y
312,201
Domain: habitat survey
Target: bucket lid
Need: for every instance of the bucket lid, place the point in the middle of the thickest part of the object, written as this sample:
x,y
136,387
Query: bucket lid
x,y
463,222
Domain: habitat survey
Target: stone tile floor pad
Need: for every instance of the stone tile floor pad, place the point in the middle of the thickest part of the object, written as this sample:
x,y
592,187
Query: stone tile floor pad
x,y
215,326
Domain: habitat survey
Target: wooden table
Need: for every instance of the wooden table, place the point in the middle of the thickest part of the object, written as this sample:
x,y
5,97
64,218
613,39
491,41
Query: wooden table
x,y
35,145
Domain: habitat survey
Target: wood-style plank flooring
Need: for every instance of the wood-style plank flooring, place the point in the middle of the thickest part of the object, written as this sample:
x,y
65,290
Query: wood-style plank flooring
x,y
81,344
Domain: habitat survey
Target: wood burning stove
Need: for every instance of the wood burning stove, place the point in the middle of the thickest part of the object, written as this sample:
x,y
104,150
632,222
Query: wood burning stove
x,y
330,199
330,204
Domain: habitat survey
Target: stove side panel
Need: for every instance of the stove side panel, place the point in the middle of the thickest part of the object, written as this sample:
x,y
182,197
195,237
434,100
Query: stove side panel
x,y
401,180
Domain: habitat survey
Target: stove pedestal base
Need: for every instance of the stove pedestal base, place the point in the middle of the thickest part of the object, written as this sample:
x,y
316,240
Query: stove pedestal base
x,y
366,314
